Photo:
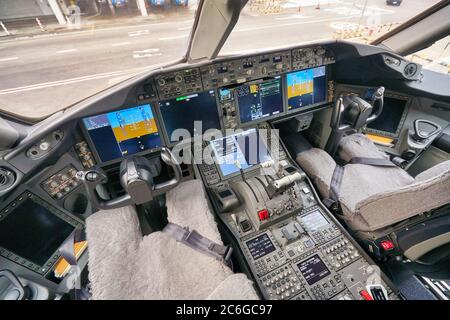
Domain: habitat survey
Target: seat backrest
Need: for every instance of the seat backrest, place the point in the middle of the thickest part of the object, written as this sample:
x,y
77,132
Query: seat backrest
x,y
430,190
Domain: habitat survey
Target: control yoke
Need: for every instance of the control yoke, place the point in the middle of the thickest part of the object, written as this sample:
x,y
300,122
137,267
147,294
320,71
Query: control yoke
x,y
352,113
136,177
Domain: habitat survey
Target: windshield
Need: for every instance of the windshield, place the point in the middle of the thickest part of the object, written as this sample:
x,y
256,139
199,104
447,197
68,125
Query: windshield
x,y
54,53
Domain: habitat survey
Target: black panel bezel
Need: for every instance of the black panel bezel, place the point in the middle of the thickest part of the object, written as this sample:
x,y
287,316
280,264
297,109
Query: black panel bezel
x,y
10,255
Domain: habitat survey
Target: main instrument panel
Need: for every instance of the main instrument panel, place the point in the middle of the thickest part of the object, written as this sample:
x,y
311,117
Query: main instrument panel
x,y
227,94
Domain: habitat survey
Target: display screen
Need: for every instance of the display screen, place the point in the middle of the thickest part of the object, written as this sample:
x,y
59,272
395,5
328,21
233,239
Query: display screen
x,y
390,117
260,246
259,100
181,112
240,150
124,132
33,232
313,269
306,87
315,221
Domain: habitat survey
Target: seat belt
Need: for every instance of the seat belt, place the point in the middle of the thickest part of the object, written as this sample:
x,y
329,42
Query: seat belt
x,y
338,174
66,250
196,241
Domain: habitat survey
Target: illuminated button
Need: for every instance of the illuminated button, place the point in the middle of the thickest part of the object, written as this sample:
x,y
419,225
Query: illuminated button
x,y
263,214
387,245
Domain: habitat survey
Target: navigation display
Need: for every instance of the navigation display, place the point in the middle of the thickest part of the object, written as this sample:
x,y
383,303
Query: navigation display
x,y
259,100
260,246
240,150
313,269
306,87
181,112
390,117
124,132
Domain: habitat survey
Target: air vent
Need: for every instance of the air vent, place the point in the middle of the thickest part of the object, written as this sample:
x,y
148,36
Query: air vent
x,y
6,179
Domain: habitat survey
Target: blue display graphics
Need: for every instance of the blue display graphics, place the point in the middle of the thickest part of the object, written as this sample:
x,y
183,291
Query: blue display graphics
x,y
181,112
259,100
241,150
306,87
123,132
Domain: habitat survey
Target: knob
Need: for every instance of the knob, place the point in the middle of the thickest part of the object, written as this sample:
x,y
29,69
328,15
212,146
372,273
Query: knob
x,y
178,78
44,146
161,82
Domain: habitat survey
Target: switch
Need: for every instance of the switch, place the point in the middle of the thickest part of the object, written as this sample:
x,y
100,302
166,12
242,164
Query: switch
x,y
387,245
365,295
263,214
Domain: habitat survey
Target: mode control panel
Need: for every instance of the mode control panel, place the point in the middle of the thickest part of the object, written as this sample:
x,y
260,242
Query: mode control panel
x,y
177,83
245,69
61,183
311,57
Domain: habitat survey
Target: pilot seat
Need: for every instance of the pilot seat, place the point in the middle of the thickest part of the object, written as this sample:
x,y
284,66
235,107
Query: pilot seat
x,y
123,264
391,212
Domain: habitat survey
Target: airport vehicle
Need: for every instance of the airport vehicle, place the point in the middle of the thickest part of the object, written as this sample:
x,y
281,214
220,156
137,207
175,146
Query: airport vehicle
x,y
309,172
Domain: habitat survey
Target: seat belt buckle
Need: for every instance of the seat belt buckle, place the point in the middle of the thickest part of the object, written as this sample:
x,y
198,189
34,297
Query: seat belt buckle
x,y
228,253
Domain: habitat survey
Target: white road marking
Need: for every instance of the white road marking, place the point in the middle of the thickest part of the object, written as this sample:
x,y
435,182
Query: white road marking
x,y
9,59
146,55
66,51
151,50
74,80
294,16
120,44
279,25
173,38
138,33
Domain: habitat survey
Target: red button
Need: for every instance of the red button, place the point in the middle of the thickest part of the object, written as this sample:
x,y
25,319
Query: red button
x,y
365,295
387,245
263,214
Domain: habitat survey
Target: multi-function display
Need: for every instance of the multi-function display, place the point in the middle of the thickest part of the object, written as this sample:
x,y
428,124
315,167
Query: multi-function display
x,y
258,101
313,269
184,111
260,246
239,151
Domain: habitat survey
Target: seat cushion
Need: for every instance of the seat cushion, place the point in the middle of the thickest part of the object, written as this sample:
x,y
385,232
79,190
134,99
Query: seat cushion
x,y
125,265
359,183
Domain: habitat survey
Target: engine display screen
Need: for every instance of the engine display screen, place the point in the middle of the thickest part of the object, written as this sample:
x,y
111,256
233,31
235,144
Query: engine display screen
x,y
240,150
32,232
390,117
259,100
313,269
181,112
260,246
315,221
124,132
306,87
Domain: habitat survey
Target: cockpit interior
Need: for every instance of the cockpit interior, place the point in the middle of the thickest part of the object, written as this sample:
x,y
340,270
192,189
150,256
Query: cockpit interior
x,y
318,171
